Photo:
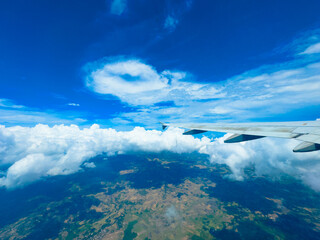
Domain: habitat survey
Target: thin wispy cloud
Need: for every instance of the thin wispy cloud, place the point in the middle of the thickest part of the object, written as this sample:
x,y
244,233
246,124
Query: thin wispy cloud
x,y
315,48
262,92
175,14
189,3
7,103
171,23
12,114
29,117
74,104
118,7
173,95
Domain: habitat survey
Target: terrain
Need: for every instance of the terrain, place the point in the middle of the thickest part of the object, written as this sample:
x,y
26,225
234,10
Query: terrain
x,y
160,196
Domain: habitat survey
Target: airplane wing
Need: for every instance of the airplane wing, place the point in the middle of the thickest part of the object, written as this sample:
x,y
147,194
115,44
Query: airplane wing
x,y
308,132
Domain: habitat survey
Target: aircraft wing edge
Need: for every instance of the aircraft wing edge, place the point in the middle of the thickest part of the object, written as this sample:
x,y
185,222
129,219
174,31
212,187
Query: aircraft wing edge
x,y
310,135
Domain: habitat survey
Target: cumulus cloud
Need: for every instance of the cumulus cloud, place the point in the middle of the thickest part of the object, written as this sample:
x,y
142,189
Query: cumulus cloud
x,y
89,165
38,152
118,7
269,156
41,151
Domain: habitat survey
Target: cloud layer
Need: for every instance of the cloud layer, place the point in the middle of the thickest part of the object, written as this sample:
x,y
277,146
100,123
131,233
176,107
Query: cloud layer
x,y
31,154
263,92
40,151
288,90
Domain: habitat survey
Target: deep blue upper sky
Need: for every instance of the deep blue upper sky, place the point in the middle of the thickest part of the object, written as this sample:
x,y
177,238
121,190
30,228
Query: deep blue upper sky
x,y
45,47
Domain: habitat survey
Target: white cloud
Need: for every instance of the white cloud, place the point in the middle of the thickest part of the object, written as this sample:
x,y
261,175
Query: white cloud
x,y
262,92
41,151
13,114
137,83
315,48
176,9
7,103
172,214
74,104
126,77
118,7
27,117
89,165
171,23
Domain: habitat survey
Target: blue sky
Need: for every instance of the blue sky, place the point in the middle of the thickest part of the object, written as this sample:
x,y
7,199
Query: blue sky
x,y
75,65
123,63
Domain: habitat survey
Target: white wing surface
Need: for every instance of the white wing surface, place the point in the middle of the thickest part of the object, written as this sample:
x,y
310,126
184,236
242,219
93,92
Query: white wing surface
x,y
308,132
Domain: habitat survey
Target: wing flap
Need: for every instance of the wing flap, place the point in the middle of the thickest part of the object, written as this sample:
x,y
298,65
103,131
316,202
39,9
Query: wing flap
x,y
266,131
241,138
309,138
194,132
307,147
303,131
